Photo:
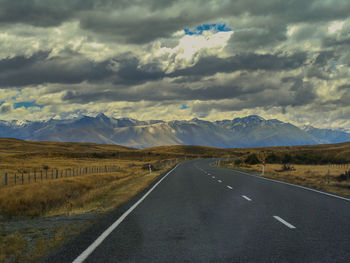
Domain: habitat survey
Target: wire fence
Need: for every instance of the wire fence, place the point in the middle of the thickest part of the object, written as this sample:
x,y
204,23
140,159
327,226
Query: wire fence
x,y
39,175
33,176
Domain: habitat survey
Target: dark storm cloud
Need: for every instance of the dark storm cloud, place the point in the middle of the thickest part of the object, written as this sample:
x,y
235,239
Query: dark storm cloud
x,y
344,87
160,93
304,93
131,72
43,13
298,95
69,68
40,68
294,92
162,18
131,29
5,108
334,42
207,66
259,37
292,11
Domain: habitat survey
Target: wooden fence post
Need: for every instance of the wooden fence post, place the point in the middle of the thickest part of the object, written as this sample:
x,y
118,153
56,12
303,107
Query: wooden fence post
x,y
22,178
15,178
5,176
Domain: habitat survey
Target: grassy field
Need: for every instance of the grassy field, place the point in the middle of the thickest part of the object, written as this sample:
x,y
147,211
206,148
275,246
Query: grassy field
x,y
317,166
24,209
324,153
37,217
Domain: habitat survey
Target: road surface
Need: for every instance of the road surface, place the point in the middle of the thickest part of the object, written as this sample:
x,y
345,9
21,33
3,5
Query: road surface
x,y
200,213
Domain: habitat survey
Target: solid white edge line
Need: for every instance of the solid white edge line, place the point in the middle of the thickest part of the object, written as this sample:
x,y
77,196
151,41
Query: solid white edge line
x,y
284,222
87,252
230,187
246,198
295,185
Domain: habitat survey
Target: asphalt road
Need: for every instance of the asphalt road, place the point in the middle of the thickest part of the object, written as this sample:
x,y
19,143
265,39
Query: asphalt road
x,y
200,213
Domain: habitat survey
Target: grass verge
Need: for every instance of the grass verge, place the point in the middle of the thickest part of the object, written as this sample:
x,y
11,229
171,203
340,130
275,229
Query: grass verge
x,y
321,177
67,197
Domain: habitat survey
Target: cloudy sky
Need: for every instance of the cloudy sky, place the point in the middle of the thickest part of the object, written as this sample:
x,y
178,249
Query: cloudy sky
x,y
176,59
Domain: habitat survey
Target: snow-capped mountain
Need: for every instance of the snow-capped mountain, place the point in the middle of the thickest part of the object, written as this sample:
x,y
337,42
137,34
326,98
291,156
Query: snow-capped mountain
x,y
251,131
327,135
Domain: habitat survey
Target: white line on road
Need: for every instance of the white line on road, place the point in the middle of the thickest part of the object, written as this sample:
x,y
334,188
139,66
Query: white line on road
x,y
219,181
246,198
110,229
213,177
230,187
284,222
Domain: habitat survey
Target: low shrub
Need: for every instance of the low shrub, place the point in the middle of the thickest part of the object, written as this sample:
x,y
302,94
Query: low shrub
x,y
252,159
237,162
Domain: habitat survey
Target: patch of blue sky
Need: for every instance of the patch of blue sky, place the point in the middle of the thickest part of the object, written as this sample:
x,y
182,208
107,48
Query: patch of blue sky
x,y
184,107
26,104
215,27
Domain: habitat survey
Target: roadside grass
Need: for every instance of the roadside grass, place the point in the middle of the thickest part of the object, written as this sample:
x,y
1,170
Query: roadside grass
x,y
95,193
16,247
322,177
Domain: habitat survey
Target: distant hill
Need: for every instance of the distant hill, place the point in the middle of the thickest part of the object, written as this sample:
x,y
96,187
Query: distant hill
x,y
250,131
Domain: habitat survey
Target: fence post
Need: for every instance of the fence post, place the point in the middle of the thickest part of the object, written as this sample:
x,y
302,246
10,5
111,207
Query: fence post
x,y
41,175
15,178
5,175
34,175
22,178
56,174
29,177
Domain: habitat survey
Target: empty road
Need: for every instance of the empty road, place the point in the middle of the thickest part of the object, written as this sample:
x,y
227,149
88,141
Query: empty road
x,y
200,213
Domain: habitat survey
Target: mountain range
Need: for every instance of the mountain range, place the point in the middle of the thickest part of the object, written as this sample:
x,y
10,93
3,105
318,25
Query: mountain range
x,y
250,131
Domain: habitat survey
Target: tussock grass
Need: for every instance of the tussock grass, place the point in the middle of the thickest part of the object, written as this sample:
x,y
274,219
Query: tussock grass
x,y
322,177
65,195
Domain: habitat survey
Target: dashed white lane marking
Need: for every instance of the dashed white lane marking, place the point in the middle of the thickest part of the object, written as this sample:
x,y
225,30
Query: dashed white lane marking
x,y
230,187
219,181
284,222
208,173
86,253
213,177
246,198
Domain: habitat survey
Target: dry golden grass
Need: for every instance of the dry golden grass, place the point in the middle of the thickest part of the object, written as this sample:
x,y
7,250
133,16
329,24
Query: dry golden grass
x,y
323,177
89,193
81,193
338,150
16,248
194,151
